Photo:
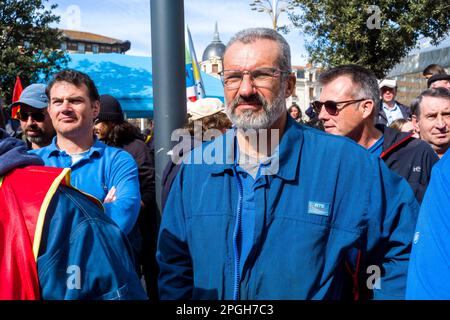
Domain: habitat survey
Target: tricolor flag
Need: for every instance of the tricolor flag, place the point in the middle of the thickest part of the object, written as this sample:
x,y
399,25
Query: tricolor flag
x,y
16,96
194,83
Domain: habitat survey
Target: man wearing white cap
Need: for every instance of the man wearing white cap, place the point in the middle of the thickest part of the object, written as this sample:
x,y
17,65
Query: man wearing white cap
x,y
390,109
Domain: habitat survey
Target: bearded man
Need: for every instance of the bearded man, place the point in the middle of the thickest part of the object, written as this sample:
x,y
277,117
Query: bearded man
x,y
271,209
35,122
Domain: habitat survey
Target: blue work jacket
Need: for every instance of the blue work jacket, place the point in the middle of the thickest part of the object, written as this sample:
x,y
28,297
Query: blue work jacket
x,y
325,196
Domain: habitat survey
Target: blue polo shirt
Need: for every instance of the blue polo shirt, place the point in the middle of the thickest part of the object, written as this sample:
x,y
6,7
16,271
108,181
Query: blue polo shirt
x,y
97,171
377,148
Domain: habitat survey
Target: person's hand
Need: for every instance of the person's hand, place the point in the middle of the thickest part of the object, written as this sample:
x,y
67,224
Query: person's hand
x,y
111,196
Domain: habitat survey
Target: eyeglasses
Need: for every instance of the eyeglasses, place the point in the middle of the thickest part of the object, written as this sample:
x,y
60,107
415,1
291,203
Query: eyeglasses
x,y
331,106
37,116
261,77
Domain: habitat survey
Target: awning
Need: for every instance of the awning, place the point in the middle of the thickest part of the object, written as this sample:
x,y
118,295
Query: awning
x,y
129,79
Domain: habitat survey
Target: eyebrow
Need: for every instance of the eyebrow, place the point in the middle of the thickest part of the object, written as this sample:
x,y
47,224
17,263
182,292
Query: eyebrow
x,y
68,98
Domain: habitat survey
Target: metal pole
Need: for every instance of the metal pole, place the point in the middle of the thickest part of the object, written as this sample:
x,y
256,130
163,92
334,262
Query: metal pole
x,y
169,82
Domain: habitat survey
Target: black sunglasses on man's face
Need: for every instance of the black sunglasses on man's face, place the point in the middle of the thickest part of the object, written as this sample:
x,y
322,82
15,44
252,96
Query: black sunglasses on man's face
x,y
37,116
331,106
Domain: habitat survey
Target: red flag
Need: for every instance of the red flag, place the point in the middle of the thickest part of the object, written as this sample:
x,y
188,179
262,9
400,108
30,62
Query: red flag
x,y
16,96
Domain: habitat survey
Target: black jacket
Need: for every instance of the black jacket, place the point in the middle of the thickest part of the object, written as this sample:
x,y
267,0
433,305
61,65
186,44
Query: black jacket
x,y
382,118
408,157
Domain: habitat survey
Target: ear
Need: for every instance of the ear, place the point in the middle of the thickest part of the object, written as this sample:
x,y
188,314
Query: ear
x,y
415,123
367,108
96,108
290,86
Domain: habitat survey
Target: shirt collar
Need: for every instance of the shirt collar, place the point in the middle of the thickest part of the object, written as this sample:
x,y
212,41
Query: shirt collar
x,y
97,148
386,108
287,153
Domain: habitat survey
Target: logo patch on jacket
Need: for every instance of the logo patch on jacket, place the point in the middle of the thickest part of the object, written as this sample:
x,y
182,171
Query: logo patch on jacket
x,y
318,208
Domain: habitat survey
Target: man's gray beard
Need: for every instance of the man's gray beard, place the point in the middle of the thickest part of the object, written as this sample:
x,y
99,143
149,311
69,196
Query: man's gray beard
x,y
41,141
265,120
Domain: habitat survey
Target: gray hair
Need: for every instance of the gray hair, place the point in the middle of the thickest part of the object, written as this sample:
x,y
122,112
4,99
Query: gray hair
x,y
250,35
366,84
435,93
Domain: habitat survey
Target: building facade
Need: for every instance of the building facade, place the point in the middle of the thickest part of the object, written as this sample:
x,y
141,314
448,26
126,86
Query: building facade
x,y
86,42
409,72
307,88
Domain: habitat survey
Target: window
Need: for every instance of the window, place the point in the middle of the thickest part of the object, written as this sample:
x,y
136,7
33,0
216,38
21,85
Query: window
x,y
300,74
72,46
64,46
95,48
81,48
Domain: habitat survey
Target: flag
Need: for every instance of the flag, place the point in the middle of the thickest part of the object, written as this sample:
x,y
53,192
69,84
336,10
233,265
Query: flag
x,y
194,84
16,96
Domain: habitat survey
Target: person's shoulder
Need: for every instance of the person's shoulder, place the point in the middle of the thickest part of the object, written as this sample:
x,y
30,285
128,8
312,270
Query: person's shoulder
x,y
318,140
42,151
85,209
111,152
444,164
418,145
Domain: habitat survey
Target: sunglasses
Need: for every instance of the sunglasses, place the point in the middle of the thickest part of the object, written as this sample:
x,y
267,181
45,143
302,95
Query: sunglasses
x,y
331,106
37,116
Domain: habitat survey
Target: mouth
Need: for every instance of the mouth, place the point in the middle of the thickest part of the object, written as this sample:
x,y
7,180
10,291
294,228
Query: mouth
x,y
33,133
248,106
67,119
441,135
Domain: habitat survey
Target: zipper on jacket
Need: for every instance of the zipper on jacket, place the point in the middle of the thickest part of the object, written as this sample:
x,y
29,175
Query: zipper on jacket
x,y
237,237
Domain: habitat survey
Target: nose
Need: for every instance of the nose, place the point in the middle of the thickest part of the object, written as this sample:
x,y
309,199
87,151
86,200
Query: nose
x,y
323,114
440,123
247,88
30,120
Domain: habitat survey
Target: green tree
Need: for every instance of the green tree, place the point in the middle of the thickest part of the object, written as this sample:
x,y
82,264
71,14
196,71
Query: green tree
x,y
28,46
376,34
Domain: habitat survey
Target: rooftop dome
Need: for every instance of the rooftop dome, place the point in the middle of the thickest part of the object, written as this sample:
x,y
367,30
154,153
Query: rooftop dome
x,y
215,49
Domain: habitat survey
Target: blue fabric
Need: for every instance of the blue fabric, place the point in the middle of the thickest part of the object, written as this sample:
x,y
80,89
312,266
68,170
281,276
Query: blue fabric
x,y
392,114
129,79
83,254
13,153
248,215
102,168
377,148
327,196
428,275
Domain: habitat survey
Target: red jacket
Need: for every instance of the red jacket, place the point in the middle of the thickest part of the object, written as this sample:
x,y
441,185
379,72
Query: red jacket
x,y
24,198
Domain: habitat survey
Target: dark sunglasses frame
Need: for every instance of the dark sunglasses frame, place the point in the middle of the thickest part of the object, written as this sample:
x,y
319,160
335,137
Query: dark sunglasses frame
x,y
331,106
37,116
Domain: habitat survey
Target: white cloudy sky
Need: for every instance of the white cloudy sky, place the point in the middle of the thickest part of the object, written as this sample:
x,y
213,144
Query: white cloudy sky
x,y
130,20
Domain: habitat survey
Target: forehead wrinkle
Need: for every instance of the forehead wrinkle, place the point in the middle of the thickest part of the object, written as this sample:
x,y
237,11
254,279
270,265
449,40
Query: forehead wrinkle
x,y
247,56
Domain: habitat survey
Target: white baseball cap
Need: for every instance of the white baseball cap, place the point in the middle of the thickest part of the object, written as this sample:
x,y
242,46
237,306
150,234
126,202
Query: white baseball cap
x,y
388,83
204,107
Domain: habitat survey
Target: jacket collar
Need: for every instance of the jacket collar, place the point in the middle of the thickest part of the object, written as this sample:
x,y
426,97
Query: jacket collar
x,y
392,139
287,152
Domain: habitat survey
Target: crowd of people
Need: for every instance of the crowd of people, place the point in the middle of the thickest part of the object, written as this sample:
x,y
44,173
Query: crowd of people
x,y
352,204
